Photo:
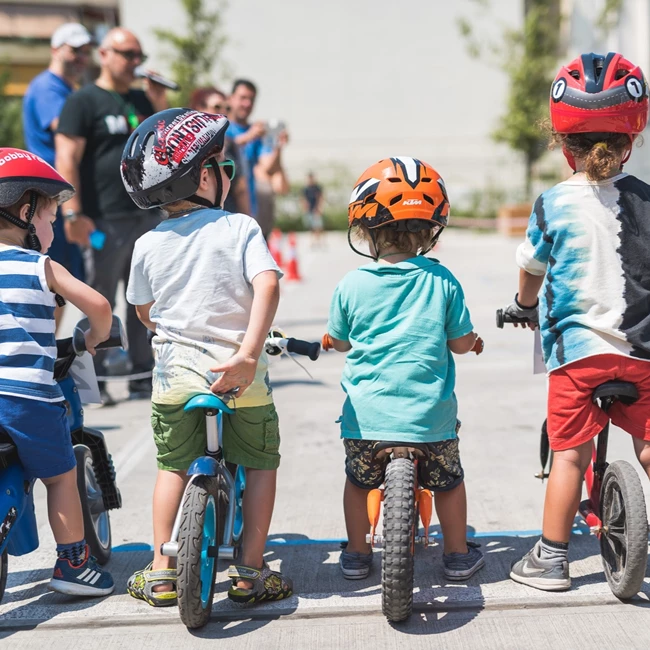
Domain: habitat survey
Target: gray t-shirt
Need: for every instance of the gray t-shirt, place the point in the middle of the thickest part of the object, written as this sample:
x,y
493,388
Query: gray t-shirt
x,y
198,270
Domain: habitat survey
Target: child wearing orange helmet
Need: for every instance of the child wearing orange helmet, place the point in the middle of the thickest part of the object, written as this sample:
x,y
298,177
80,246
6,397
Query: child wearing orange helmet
x,y
400,318
587,243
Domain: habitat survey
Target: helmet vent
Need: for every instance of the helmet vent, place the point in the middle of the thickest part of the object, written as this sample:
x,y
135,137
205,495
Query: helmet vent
x,y
575,74
396,199
428,199
394,179
425,180
620,74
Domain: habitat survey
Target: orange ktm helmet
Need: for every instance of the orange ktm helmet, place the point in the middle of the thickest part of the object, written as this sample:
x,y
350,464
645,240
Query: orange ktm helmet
x,y
397,189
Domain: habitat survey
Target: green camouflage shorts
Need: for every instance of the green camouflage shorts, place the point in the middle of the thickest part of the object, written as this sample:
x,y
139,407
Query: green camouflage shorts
x,y
439,472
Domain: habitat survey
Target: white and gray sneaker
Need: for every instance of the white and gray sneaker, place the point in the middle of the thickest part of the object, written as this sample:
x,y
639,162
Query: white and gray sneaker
x,y
548,575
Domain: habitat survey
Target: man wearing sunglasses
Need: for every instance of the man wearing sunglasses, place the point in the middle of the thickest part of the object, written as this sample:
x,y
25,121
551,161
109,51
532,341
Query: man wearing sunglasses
x,y
71,49
94,126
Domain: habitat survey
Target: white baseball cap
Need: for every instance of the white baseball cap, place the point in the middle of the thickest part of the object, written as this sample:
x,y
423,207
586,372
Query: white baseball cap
x,y
72,34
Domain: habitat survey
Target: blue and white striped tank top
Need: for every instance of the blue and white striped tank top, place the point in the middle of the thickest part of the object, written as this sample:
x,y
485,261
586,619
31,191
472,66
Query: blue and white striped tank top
x,y
27,343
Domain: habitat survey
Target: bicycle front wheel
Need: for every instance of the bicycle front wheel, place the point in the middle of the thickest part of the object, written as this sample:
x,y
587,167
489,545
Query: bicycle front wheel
x,y
197,551
399,531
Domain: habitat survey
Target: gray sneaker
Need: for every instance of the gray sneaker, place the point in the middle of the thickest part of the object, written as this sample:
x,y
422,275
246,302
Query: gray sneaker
x,y
460,566
547,575
355,566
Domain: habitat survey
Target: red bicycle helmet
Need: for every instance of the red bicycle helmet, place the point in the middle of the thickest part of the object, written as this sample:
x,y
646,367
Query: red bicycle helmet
x,y
20,172
599,94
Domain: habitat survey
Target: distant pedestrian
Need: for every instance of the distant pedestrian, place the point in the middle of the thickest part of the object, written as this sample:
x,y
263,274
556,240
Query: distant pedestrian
x,y
71,49
313,206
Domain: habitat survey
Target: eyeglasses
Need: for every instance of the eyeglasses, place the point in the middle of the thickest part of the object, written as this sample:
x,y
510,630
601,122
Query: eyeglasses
x,y
216,108
227,165
82,50
131,55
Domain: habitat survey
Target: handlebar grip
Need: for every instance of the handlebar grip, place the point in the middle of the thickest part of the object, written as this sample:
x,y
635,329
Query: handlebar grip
x,y
503,318
311,350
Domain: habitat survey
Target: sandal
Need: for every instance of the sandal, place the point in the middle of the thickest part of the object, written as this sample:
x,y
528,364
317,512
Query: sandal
x,y
140,585
267,584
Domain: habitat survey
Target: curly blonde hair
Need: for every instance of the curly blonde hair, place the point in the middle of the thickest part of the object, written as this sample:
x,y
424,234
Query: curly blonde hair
x,y
391,236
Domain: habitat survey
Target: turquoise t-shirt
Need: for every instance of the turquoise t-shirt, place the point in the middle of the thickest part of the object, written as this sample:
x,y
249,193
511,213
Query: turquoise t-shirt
x,y
399,375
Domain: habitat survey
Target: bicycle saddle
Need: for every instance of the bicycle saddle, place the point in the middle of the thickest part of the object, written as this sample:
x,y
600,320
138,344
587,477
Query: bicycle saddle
x,y
207,401
420,448
621,390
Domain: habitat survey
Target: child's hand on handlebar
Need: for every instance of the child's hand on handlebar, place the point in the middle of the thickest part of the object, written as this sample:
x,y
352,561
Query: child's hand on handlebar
x,y
93,340
522,315
238,372
479,345
327,343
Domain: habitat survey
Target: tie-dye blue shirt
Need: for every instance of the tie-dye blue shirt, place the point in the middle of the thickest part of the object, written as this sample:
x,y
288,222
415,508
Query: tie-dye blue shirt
x,y
592,240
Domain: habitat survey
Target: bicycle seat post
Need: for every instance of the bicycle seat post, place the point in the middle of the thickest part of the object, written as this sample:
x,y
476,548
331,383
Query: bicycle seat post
x,y
213,424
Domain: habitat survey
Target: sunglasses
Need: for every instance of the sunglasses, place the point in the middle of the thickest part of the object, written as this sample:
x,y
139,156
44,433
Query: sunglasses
x,y
82,50
131,55
216,108
227,165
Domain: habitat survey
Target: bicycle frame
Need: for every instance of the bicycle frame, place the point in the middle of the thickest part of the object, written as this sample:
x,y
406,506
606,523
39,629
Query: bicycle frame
x,y
590,508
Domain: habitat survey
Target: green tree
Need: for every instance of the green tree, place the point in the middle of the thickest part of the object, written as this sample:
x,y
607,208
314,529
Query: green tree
x,y
194,54
529,56
11,131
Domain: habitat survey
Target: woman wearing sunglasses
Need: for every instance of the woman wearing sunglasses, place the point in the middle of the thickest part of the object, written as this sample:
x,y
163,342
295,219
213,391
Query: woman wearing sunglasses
x,y
211,100
205,283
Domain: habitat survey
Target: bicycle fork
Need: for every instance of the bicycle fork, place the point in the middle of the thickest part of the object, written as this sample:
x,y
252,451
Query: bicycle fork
x,y
209,465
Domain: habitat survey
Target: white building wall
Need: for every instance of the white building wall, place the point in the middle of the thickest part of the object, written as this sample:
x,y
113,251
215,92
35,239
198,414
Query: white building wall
x,y
357,80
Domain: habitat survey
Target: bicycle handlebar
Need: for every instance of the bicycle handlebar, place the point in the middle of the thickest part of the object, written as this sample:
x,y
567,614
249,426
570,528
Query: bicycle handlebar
x,y
116,339
311,350
503,318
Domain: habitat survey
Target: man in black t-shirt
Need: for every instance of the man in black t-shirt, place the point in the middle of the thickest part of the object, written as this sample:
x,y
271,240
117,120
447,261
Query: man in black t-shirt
x,y
94,126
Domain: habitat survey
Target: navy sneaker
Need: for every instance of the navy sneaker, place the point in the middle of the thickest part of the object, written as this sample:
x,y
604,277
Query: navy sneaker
x,y
355,566
461,566
87,579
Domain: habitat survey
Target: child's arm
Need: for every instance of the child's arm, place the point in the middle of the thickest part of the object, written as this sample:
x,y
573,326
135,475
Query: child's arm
x,y
329,343
143,314
239,370
87,300
471,342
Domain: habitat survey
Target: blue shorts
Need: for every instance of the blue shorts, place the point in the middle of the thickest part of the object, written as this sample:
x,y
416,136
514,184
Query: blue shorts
x,y
41,433
66,254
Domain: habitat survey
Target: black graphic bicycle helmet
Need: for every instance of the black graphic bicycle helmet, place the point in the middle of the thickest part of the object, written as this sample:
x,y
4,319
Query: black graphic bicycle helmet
x,y
162,159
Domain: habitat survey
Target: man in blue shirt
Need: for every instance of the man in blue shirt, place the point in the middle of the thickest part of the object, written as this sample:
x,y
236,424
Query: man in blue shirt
x,y
42,104
256,150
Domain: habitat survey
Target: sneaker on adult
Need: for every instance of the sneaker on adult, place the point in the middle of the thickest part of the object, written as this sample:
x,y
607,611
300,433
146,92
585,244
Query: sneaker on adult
x,y
105,397
461,566
541,573
355,566
85,579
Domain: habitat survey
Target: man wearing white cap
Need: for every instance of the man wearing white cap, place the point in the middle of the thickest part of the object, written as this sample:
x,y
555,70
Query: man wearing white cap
x,y
71,50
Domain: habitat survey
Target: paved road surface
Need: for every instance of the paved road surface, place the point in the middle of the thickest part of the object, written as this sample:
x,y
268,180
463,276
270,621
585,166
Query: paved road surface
x,y
501,407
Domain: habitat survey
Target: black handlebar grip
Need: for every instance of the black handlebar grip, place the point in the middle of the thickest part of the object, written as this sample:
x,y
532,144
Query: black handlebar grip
x,y
503,317
500,318
311,350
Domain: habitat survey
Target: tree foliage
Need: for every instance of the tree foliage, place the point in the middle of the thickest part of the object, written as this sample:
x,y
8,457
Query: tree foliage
x,y
529,56
193,55
11,132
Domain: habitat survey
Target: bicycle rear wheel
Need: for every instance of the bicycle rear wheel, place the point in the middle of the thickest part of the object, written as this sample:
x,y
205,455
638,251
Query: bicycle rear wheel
x,y
399,531
624,541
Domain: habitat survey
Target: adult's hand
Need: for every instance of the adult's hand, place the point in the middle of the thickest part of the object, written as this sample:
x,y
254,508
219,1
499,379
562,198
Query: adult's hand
x,y
157,94
79,229
257,130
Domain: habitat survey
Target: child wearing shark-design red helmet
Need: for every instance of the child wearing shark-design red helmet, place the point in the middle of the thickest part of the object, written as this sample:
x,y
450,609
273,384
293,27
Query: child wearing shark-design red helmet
x,y
587,244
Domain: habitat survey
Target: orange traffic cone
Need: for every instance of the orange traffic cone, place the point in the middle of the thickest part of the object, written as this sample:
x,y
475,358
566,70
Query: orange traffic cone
x,y
292,260
275,246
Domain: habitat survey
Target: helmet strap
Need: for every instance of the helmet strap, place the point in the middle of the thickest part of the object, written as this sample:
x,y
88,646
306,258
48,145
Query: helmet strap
x,y
569,158
31,240
218,199
358,252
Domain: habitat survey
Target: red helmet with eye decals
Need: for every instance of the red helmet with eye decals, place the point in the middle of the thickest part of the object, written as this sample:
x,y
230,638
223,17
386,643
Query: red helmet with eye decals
x,y
599,94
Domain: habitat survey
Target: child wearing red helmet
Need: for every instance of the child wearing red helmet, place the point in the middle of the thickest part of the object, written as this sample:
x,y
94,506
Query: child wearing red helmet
x,y
587,245
400,319
32,410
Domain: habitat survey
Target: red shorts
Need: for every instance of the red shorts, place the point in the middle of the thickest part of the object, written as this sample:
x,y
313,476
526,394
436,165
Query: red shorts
x,y
574,419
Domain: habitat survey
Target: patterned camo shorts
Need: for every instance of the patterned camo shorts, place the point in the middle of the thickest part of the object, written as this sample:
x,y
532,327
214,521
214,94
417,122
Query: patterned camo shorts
x,y
440,472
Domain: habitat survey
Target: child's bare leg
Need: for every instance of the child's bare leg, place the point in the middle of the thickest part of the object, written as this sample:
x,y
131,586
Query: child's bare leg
x,y
167,496
563,492
451,508
259,499
64,507
642,451
355,500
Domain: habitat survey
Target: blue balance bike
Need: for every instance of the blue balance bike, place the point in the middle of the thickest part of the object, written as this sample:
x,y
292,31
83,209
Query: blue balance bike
x,y
95,471
209,523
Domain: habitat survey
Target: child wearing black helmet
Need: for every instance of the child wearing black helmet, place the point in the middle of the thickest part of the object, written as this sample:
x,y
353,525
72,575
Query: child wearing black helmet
x,y
205,283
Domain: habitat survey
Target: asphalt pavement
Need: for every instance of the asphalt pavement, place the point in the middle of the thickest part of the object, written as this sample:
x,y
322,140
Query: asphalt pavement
x,y
502,405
